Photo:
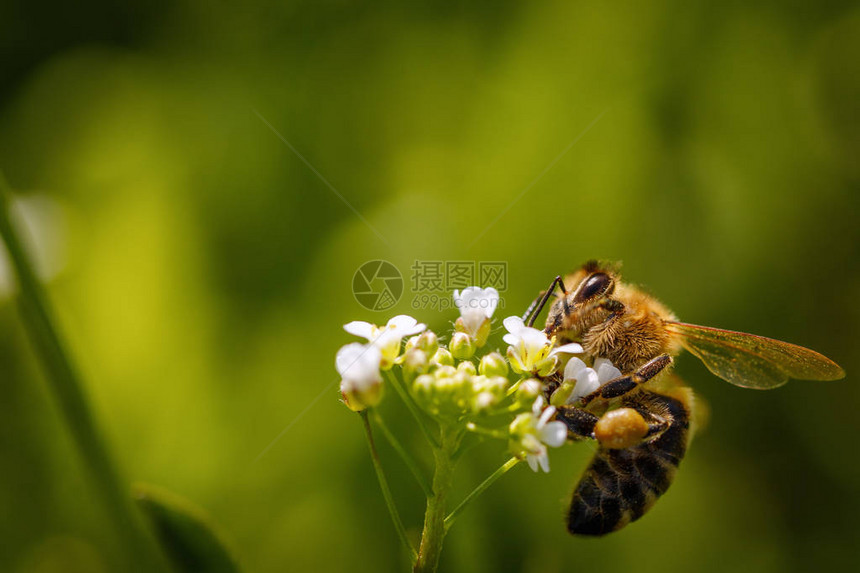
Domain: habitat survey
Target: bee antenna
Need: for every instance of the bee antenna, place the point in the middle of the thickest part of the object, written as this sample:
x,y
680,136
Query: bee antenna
x,y
533,312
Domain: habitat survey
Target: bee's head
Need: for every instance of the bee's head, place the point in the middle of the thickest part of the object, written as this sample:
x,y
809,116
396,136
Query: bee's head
x,y
595,284
581,308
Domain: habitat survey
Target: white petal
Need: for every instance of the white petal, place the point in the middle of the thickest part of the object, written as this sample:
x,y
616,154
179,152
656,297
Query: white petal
x,y
473,318
476,304
589,375
359,363
574,367
514,325
404,325
346,386
473,307
386,337
606,371
537,406
586,383
554,434
534,340
570,348
490,301
546,415
360,328
543,460
533,462
369,363
469,294
477,297
417,329
347,355
532,445
511,339
401,321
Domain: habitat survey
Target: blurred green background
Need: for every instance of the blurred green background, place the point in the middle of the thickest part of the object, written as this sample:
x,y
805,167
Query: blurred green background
x,y
208,270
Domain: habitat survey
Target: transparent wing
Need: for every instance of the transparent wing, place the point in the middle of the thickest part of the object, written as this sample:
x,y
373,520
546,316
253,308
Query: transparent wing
x,y
752,361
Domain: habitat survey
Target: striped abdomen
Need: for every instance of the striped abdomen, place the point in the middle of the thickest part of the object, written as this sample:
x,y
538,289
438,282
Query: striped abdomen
x,y
619,486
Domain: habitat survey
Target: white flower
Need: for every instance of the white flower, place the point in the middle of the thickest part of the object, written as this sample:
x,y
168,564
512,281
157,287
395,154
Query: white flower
x,y
387,338
476,307
358,366
533,432
530,350
587,379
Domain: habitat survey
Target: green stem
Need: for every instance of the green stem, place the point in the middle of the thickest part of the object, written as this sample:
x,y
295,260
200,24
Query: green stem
x,y
65,385
386,492
434,518
404,454
503,469
413,408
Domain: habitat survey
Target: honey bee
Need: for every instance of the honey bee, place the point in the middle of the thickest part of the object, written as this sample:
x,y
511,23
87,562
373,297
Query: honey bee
x,y
643,419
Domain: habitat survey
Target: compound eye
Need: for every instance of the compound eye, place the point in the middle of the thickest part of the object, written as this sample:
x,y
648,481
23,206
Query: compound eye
x,y
598,283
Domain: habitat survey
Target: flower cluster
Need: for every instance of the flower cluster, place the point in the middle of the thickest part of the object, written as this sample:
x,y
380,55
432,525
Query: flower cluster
x,y
359,365
460,389
532,432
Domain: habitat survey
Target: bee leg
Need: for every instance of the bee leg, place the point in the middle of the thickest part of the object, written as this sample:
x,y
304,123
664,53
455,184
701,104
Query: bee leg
x,y
656,426
624,384
540,301
580,423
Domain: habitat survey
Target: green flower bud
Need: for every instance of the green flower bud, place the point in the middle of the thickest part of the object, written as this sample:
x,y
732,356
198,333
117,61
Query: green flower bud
x,y
462,346
528,391
498,386
444,372
443,357
483,402
493,364
428,342
467,368
463,393
411,343
548,366
360,399
423,388
414,363
522,426
479,332
452,391
562,393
